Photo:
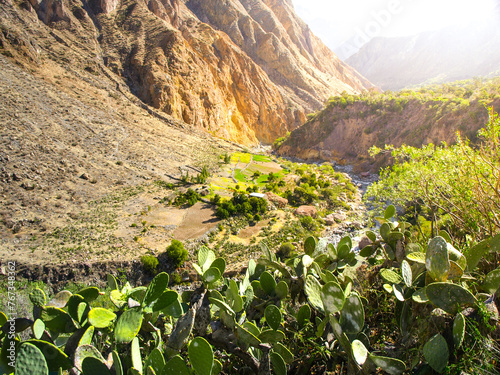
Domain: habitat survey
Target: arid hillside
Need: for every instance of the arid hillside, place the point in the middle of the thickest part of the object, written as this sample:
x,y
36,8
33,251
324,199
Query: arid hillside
x,y
240,70
349,125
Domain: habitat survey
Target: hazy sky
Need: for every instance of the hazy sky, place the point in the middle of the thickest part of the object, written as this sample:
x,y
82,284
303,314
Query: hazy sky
x,y
345,25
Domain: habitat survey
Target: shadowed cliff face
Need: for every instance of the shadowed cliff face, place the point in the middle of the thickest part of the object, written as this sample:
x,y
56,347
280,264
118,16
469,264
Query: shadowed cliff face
x,y
243,70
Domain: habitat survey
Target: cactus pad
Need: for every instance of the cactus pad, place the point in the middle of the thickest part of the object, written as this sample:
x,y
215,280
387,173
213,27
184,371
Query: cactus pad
x,y
492,281
37,297
313,291
38,328
89,294
392,366
273,316
60,299
101,318
201,356
390,276
310,245
303,315
135,352
333,297
352,317
175,365
30,361
128,325
449,297
407,273
85,351
437,262
436,353
278,363
458,330
94,366
267,283
155,288
359,352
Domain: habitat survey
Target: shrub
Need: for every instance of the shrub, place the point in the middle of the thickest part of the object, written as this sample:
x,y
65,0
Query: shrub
x,y
308,223
257,217
285,251
176,253
149,263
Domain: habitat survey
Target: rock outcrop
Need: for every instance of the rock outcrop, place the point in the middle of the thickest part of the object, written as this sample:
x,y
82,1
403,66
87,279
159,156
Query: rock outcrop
x,y
246,71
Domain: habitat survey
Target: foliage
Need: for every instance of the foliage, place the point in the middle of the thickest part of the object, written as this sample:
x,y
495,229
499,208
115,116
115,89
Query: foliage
x,y
279,141
176,253
459,181
241,204
188,199
149,263
285,251
308,223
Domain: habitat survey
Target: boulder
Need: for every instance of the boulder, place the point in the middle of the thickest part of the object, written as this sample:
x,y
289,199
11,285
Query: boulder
x,y
278,201
306,211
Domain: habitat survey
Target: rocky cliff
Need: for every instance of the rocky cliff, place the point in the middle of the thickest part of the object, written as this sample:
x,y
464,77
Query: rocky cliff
x,y
242,70
349,125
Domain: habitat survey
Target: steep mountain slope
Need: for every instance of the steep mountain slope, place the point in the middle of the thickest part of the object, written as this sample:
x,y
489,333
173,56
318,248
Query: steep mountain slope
x,y
454,53
237,69
350,124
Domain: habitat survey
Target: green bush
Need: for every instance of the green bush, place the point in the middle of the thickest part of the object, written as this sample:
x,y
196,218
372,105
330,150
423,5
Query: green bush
x,y
285,251
149,263
308,223
176,253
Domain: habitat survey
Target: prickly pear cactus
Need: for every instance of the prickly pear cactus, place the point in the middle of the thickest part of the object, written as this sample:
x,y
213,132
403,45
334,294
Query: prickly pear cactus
x,y
128,325
437,261
37,297
30,361
436,353
273,316
333,297
449,297
201,356
101,318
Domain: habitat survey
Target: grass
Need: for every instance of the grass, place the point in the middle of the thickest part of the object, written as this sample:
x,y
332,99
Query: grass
x,y
239,176
262,158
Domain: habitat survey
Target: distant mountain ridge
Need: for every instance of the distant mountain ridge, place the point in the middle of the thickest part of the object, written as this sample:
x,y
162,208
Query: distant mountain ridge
x,y
450,54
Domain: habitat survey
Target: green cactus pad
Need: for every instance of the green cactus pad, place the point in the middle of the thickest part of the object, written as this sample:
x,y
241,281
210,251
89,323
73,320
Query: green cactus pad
x,y
398,292
87,336
156,288
456,256
359,352
274,265
135,352
222,305
475,253
312,288
60,299
392,366
165,300
371,235
38,328
175,365
449,297
492,281
54,356
201,356
436,353
94,366
282,290
101,318
37,297
86,351
437,262
112,282
328,276
352,317
219,263
458,330
133,371
128,325
333,297
155,360
267,283
390,211
72,305
385,229
303,315
252,328
331,251
390,276
310,245
284,352
407,273
420,296
343,251
211,275
416,257
277,363
273,316
30,361
248,335
117,363
89,294
270,336
57,320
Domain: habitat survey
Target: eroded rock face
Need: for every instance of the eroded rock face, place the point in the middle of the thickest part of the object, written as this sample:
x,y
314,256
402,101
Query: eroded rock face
x,y
247,71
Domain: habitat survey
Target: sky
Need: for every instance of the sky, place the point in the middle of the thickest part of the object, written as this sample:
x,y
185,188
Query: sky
x,y
345,25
